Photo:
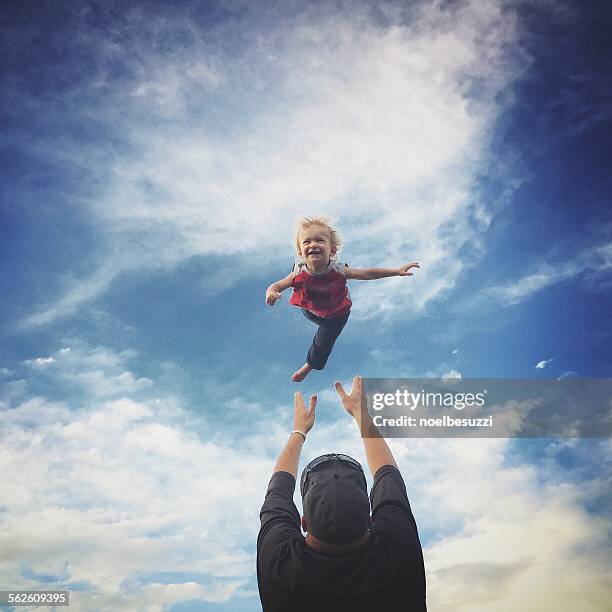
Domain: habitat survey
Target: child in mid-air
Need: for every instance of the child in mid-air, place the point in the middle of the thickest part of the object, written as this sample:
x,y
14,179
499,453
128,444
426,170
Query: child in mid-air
x,y
319,287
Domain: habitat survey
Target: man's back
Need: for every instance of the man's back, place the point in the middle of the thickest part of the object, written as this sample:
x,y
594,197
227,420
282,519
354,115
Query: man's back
x,y
387,573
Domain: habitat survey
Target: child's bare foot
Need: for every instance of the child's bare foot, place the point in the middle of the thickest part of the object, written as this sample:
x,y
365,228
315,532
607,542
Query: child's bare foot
x,y
302,373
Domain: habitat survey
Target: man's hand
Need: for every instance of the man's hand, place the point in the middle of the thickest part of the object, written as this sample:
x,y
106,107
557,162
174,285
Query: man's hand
x,y
376,448
355,403
303,419
272,297
403,270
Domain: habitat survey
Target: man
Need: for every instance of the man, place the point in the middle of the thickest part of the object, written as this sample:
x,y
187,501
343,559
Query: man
x,y
347,561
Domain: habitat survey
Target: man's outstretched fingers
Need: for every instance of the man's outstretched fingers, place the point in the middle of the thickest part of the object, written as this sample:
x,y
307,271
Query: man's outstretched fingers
x,y
356,385
313,403
340,390
304,418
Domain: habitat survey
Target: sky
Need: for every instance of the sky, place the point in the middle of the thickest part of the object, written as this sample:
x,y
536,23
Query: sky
x,y
154,159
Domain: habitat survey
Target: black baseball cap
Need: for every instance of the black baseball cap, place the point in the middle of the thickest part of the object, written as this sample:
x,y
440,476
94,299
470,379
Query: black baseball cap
x,y
335,499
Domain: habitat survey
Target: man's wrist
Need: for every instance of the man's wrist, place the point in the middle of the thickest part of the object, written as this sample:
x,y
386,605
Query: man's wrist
x,y
300,432
364,422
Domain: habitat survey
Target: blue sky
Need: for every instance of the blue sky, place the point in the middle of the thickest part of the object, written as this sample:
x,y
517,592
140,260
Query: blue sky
x,y
154,159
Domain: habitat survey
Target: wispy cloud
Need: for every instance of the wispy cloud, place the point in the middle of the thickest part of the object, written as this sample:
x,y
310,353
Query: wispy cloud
x,y
590,263
100,371
452,373
40,362
77,292
542,364
443,370
373,118
567,374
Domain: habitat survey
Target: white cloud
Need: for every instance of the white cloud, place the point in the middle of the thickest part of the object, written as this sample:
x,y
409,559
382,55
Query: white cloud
x,y
504,536
168,87
542,364
443,370
117,491
120,491
567,374
13,390
452,373
102,385
39,362
77,293
593,261
98,370
380,127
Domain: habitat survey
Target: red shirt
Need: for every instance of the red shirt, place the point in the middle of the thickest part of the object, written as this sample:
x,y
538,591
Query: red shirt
x,y
324,293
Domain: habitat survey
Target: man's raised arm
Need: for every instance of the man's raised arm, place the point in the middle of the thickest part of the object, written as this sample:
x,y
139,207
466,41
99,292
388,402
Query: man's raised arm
x,y
303,420
376,448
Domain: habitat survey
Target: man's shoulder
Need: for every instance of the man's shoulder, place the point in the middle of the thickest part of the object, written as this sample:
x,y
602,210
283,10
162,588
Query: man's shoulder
x,y
281,478
388,493
279,495
386,470
375,573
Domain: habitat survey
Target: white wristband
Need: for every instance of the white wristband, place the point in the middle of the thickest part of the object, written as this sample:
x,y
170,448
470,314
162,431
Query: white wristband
x,y
300,432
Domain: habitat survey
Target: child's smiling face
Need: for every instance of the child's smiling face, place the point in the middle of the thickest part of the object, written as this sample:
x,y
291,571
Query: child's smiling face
x,y
316,247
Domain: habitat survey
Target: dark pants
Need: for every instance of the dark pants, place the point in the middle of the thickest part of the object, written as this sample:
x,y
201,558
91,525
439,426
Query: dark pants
x,y
323,342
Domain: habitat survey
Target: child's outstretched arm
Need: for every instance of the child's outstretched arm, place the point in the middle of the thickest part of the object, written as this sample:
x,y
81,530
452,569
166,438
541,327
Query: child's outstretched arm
x,y
374,273
274,291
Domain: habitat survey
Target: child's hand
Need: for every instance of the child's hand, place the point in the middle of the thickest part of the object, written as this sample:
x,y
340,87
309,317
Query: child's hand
x,y
403,271
272,297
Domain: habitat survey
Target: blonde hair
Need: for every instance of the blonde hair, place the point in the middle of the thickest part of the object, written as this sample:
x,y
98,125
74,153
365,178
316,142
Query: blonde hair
x,y
305,222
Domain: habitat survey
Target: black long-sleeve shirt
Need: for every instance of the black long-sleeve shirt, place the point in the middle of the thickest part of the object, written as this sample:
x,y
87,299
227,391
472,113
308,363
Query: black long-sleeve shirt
x,y
386,574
